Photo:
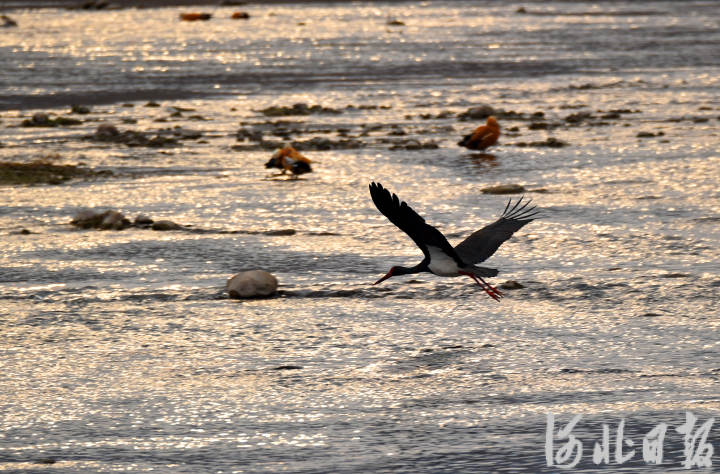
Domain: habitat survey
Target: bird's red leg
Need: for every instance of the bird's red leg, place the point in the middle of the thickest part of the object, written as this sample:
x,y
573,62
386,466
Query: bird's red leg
x,y
494,293
492,288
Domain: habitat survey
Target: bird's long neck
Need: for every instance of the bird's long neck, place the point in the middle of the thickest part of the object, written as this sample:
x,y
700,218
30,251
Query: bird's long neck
x,y
420,267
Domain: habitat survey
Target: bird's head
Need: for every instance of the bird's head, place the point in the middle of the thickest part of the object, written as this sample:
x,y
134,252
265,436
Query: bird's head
x,y
273,163
395,271
492,122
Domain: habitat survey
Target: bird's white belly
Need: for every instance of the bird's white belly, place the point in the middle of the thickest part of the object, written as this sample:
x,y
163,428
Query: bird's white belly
x,y
441,263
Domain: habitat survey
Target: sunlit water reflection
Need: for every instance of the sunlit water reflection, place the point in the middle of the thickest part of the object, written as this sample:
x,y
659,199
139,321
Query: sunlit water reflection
x,y
120,350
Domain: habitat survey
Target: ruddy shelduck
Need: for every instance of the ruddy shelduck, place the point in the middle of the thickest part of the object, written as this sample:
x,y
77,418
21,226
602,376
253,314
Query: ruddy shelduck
x,y
289,159
483,136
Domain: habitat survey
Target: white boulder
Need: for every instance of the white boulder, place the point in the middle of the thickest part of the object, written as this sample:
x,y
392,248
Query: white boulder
x,y
251,284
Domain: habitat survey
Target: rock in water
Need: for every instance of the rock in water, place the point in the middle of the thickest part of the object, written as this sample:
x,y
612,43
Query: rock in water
x,y
166,225
143,220
512,285
252,284
114,220
105,131
477,113
107,220
504,189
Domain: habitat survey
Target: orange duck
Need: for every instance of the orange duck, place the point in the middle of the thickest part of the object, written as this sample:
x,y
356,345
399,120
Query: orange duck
x,y
289,159
483,136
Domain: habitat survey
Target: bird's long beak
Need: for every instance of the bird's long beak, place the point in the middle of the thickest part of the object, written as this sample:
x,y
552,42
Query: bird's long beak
x,y
389,274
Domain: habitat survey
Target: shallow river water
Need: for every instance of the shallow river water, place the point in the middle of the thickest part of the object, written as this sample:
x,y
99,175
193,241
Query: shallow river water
x,y
121,351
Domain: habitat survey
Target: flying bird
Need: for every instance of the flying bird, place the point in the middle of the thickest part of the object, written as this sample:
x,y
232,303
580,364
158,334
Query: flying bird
x,y
483,136
443,259
289,159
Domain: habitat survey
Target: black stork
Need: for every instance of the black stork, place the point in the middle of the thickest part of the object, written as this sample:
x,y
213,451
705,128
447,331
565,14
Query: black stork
x,y
440,257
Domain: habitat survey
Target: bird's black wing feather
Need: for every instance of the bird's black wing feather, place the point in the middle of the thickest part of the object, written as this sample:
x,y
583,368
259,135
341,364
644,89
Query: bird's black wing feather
x,y
484,242
410,222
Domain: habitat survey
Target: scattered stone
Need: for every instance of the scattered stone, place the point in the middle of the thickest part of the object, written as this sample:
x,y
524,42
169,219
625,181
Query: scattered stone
x,y
45,461
105,131
675,275
372,107
649,134
287,367
579,117
79,109
504,189
313,144
143,221
414,144
110,133
188,134
320,143
512,285
7,22
479,112
521,10
252,284
22,232
280,232
41,119
484,111
395,23
164,225
297,109
551,142
114,220
610,115
44,172
538,126
366,129
106,220
152,103
249,134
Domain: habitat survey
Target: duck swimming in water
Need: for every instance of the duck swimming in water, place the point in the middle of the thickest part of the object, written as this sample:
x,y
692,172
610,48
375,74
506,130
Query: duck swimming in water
x,y
289,159
483,136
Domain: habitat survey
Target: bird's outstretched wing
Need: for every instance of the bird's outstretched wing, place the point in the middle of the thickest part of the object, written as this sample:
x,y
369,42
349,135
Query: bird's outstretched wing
x,y
484,242
410,222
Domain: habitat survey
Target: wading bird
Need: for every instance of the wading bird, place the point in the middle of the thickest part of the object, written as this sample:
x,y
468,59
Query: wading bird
x,y
440,257
483,136
289,159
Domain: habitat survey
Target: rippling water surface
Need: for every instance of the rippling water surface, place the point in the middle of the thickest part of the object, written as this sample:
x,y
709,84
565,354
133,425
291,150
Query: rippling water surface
x,y
121,352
